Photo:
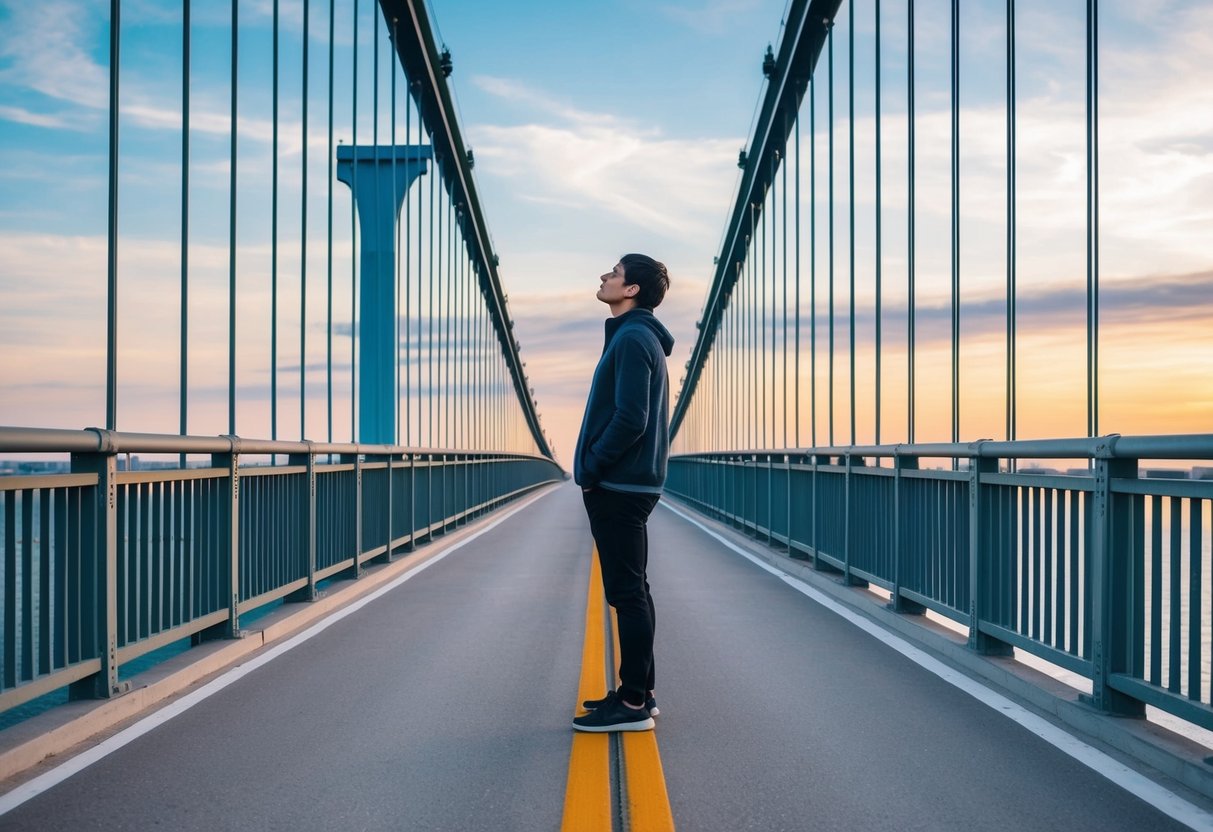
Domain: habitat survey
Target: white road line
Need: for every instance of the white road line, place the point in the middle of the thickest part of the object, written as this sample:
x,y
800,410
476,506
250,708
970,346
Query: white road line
x,y
1136,784
57,775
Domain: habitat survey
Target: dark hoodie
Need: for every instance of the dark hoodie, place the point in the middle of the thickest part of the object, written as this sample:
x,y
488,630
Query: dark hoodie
x,y
624,441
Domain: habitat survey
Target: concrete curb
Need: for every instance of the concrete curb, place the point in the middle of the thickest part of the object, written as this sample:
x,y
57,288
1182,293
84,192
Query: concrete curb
x,y
1170,754
60,729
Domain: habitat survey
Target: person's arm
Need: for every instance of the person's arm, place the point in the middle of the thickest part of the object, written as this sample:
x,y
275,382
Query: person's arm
x,y
633,374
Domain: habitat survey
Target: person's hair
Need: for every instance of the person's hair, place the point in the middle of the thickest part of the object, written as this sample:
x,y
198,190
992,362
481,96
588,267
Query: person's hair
x,y
650,275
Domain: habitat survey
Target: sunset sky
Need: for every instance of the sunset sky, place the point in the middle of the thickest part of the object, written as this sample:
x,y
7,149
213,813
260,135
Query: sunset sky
x,y
605,128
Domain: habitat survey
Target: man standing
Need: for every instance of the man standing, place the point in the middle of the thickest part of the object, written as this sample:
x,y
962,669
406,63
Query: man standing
x,y
620,464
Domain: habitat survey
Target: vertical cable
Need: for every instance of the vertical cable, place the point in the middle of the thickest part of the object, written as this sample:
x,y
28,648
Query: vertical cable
x,y
1011,221
375,111
761,330
231,254
755,334
396,234
429,324
354,248
274,244
813,260
329,249
303,236
436,310
784,242
830,43
910,362
772,318
111,314
796,226
408,263
469,298
1092,217
851,202
878,227
465,287
734,370
443,297
417,388
955,222
456,338
447,388
185,217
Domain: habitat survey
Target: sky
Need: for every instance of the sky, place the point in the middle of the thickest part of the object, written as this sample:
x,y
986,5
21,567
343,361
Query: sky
x,y
605,128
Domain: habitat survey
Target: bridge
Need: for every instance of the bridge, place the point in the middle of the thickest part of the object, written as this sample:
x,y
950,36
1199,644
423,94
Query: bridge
x,y
386,618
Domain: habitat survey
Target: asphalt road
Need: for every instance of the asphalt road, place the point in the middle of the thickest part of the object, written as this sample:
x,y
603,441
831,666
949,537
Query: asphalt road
x,y
445,705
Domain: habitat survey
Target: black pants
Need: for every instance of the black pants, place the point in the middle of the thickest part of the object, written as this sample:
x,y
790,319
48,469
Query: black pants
x,y
618,521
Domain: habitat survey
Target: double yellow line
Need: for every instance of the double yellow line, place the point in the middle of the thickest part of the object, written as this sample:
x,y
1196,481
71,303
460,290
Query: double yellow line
x,y
587,795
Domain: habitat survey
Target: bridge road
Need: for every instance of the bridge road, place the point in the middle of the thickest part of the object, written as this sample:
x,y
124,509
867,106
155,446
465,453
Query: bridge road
x,y
445,704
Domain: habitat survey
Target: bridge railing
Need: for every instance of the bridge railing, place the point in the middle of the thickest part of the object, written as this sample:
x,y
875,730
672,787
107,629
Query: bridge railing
x,y
102,565
1106,575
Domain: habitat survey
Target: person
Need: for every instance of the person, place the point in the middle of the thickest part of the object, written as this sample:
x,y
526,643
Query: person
x,y
620,464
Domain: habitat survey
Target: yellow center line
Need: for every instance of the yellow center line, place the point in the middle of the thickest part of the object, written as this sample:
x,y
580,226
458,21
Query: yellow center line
x,y
587,794
648,805
648,801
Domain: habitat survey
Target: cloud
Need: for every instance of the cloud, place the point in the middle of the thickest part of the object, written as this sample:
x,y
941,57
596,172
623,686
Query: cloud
x,y
20,115
711,17
43,48
600,162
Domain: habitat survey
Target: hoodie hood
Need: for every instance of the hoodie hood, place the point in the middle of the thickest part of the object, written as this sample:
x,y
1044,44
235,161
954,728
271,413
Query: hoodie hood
x,y
644,318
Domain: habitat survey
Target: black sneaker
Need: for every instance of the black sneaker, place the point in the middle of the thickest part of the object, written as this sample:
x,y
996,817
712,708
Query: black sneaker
x,y
595,704
614,715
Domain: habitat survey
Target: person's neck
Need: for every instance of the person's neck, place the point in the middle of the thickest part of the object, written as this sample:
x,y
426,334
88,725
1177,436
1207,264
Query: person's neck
x,y
622,307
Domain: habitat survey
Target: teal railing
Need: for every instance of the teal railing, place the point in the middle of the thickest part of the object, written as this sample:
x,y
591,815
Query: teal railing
x,y
1106,574
100,566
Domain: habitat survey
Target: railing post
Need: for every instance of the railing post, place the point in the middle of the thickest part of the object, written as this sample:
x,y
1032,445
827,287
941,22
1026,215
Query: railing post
x,y
727,474
901,515
787,490
1110,562
847,577
412,503
308,593
817,564
722,472
745,494
979,560
464,500
357,516
387,553
846,520
229,524
770,499
443,509
99,582
429,497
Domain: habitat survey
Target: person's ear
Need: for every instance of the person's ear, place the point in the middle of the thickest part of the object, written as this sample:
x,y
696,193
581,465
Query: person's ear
x,y
632,294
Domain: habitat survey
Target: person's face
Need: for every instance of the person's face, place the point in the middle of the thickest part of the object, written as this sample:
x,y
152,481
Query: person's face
x,y
614,290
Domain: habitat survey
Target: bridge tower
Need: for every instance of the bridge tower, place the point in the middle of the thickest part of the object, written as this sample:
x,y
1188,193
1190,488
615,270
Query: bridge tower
x,y
379,177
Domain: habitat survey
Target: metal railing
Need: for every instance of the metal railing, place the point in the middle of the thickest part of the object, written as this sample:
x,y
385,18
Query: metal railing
x,y
1106,575
101,566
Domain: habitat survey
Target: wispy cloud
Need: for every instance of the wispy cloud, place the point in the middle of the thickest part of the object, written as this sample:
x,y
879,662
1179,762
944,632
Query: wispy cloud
x,y
45,47
20,115
710,17
597,161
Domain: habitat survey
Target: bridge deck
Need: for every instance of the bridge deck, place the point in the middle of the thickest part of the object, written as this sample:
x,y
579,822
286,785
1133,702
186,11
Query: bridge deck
x,y
446,703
